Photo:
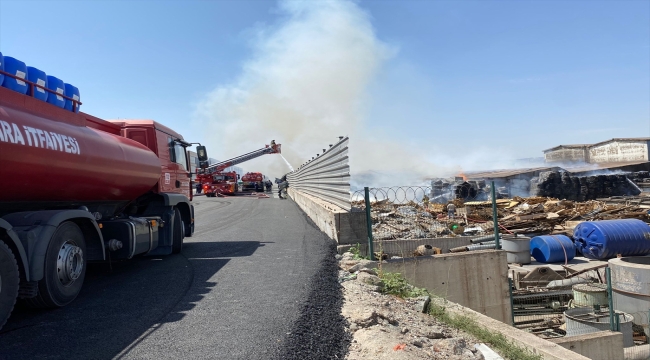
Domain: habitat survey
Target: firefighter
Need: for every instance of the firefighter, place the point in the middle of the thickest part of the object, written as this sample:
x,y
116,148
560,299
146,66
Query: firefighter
x,y
282,185
451,210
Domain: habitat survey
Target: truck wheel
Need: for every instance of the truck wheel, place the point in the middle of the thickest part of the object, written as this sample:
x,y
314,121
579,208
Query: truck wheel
x,y
65,268
8,282
178,233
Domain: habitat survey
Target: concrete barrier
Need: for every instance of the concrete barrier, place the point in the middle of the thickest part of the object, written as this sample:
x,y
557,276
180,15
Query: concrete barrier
x,y
601,345
536,345
475,279
339,224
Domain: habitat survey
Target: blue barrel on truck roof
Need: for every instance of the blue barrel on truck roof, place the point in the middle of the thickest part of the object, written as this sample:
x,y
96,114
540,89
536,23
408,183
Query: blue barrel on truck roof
x,y
38,77
17,68
72,92
552,248
607,238
2,67
55,84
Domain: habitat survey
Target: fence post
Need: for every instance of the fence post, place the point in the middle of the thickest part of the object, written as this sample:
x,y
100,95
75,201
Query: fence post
x,y
512,303
610,300
494,217
371,249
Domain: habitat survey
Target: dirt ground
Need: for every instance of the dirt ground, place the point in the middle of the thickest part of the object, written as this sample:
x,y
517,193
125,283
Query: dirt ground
x,y
388,327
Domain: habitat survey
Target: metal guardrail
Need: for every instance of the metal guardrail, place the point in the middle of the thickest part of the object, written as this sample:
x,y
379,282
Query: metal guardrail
x,y
327,176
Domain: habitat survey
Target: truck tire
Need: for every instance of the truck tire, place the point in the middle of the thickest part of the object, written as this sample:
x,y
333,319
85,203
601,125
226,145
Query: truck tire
x,y
65,268
178,233
9,281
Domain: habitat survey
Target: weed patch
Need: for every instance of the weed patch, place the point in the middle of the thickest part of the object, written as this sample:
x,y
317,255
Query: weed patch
x,y
356,252
496,340
395,284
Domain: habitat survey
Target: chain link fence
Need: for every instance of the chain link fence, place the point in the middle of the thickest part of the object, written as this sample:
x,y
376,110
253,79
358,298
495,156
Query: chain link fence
x,y
406,222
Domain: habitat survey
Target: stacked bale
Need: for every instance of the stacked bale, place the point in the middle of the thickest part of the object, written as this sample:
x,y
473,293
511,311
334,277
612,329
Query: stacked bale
x,y
563,185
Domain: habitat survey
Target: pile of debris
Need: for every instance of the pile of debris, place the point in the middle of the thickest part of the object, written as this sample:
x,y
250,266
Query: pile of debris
x,y
414,220
542,215
563,185
532,215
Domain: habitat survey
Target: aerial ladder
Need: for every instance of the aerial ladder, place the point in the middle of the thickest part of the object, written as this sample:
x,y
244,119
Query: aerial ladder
x,y
215,181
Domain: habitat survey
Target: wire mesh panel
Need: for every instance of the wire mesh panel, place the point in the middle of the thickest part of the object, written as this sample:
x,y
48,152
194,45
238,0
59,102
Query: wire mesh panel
x,y
546,301
326,176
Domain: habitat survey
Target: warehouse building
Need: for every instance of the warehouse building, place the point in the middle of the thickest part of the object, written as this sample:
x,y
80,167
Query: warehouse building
x,y
616,150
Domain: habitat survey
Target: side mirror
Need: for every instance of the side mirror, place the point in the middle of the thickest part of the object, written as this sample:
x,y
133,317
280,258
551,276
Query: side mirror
x,y
201,153
238,177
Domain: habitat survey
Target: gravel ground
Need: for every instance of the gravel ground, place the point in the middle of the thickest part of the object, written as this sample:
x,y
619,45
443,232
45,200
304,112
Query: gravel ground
x,y
389,327
320,331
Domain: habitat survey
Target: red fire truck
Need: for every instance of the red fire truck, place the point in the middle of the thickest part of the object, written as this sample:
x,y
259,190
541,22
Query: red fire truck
x,y
88,190
215,181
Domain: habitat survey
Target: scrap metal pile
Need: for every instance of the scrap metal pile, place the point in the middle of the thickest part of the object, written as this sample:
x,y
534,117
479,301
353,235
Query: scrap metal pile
x,y
533,215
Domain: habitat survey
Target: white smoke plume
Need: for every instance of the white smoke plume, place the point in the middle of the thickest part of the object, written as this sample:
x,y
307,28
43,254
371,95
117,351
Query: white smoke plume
x,y
306,84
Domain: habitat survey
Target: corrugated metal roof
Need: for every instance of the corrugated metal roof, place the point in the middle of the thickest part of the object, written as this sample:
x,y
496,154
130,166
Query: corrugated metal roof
x,y
602,166
622,139
507,172
504,173
572,146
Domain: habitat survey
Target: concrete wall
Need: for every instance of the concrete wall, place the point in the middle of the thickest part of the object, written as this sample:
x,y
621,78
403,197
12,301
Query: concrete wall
x,y
618,151
405,247
566,155
602,345
475,279
340,225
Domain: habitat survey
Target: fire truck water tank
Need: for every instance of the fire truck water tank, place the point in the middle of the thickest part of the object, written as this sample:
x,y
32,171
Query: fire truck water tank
x,y
17,68
608,238
55,84
73,92
64,161
38,77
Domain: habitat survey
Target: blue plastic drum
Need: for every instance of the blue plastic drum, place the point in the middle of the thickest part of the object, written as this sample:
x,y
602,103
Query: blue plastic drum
x,y
552,248
72,92
609,238
38,77
18,68
2,67
56,85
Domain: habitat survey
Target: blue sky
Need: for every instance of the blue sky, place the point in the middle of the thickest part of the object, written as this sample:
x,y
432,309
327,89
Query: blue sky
x,y
508,78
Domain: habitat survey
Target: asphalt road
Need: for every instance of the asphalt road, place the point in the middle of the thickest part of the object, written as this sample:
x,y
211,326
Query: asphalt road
x,y
256,281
